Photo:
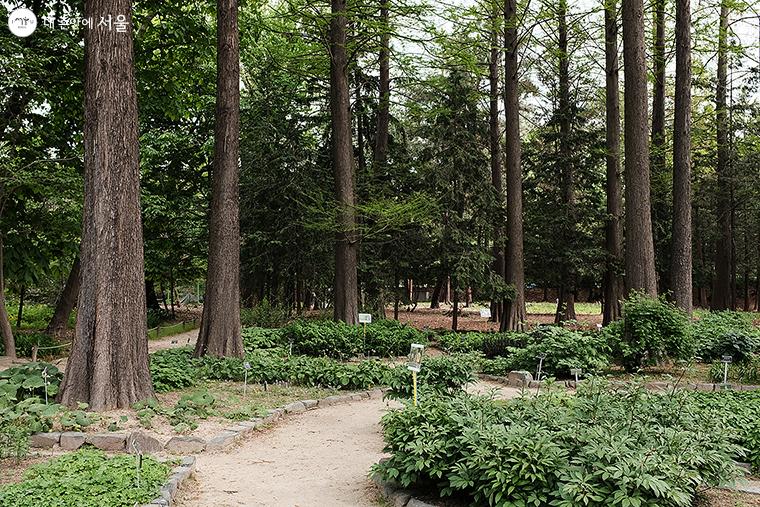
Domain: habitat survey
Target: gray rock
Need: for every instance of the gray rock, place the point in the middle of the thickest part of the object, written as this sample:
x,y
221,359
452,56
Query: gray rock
x,y
240,429
252,424
375,394
399,498
44,440
276,413
188,462
185,445
107,441
519,377
72,440
357,397
295,407
309,404
413,502
138,441
330,400
221,440
170,487
534,384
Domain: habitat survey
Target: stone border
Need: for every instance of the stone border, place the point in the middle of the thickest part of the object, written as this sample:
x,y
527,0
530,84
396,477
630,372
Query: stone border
x,y
169,490
397,496
185,445
524,379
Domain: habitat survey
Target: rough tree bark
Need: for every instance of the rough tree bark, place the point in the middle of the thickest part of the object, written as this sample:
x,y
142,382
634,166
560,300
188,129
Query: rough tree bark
x,y
108,364
9,344
494,131
721,293
346,238
219,333
514,310
639,246
681,261
613,280
66,302
566,301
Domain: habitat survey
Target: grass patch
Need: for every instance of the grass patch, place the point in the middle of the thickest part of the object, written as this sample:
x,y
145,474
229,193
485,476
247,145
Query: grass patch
x,y
548,307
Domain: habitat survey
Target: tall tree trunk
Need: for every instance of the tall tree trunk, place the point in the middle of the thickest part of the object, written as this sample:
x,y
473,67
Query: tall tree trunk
x,y
346,238
494,131
66,302
613,232
455,311
435,298
108,364
680,257
721,293
219,333
702,299
658,157
9,344
639,247
151,300
514,310
566,301
384,102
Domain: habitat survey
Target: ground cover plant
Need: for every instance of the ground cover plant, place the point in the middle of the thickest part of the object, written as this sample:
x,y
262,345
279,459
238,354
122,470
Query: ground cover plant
x,y
87,478
599,447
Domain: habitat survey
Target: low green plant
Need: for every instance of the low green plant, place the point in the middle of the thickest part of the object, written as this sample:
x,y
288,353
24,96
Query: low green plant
x,y
28,381
442,375
262,338
746,371
600,447
172,369
264,314
725,333
87,478
651,330
19,420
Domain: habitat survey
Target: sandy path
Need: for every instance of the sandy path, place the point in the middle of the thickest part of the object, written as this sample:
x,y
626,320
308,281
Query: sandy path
x,y
318,458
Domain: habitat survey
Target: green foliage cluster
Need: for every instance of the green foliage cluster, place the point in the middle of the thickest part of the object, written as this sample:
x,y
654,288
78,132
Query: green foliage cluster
x,y
651,330
442,375
185,413
725,333
262,338
87,478
26,341
339,340
490,344
28,381
597,448
746,371
264,314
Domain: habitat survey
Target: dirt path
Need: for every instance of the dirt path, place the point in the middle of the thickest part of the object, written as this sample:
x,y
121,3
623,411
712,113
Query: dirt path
x,y
317,458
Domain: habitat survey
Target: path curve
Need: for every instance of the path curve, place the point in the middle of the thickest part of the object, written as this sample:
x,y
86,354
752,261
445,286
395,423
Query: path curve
x,y
317,458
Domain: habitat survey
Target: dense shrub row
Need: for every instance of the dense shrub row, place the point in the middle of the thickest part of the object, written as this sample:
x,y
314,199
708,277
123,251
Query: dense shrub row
x,y
597,448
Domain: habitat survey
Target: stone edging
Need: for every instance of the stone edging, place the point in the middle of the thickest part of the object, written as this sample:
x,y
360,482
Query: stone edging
x,y
185,445
397,496
169,490
525,379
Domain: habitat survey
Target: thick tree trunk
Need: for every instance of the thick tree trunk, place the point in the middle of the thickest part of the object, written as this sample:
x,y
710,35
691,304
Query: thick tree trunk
x,y
9,344
219,334
658,153
613,232
514,311
566,301
346,238
639,248
494,131
721,293
66,302
681,262
108,364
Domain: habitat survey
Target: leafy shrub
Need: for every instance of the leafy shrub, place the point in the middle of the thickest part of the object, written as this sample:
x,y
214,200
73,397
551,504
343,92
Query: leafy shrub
x,y
597,448
651,330
389,338
87,478
264,314
172,369
26,341
563,349
262,338
443,375
156,316
28,381
725,333
19,420
490,344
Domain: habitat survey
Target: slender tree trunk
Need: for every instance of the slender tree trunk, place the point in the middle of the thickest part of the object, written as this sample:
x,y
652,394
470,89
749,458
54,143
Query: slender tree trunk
x,y
681,261
639,247
702,299
19,315
566,301
9,344
494,131
658,153
66,302
108,364
151,300
384,101
346,238
219,333
436,296
359,105
455,312
514,311
613,232
721,293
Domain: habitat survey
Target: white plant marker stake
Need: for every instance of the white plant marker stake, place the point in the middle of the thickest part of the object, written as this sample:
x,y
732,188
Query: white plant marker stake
x,y
246,366
540,369
45,381
576,372
726,361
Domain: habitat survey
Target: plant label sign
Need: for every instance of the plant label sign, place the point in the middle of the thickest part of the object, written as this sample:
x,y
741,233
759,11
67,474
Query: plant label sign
x,y
485,313
415,357
365,318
